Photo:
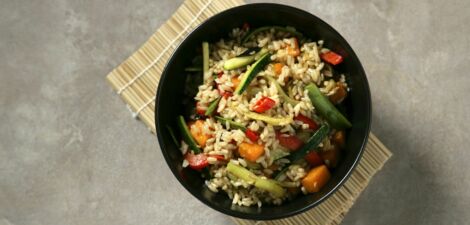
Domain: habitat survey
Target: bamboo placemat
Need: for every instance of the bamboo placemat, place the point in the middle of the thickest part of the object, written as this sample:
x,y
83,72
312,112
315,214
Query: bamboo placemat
x,y
136,80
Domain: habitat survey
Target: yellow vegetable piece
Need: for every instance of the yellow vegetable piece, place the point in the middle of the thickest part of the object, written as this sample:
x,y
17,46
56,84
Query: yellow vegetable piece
x,y
250,152
316,179
196,128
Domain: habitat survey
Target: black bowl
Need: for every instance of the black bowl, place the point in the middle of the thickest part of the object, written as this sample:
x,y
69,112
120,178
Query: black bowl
x,y
170,97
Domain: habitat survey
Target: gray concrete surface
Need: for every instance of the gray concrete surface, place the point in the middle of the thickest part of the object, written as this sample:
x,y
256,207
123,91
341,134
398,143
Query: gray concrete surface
x,y
71,154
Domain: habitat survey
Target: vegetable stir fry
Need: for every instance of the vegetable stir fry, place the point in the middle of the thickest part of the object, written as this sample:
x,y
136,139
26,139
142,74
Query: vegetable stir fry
x,y
264,126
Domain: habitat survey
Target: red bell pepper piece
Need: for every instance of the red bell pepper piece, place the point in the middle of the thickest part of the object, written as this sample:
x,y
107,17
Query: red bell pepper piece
x,y
314,159
197,162
289,141
200,110
253,136
227,94
263,105
311,124
331,57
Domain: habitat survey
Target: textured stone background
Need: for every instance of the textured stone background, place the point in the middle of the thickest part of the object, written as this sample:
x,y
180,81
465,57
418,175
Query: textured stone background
x,y
71,154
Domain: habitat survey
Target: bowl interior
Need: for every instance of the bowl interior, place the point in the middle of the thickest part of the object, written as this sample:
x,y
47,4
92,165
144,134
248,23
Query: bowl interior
x,y
172,86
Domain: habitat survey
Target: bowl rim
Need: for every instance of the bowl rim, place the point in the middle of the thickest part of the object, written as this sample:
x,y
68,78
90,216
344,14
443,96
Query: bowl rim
x,y
367,113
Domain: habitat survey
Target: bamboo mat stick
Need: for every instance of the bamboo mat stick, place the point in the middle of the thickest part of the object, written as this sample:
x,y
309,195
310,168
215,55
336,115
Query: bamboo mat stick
x,y
136,81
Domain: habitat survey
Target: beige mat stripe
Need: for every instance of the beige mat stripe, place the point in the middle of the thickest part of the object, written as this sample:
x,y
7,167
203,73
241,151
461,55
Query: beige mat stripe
x,y
136,80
